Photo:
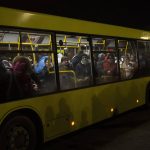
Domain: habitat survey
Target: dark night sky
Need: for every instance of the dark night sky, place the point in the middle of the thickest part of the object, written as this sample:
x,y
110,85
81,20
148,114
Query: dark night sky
x,y
124,13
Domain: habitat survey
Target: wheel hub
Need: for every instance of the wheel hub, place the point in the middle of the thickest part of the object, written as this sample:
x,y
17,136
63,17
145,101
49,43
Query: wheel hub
x,y
18,138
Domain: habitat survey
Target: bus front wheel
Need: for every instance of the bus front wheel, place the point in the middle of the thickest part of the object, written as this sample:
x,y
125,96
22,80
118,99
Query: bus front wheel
x,y
19,133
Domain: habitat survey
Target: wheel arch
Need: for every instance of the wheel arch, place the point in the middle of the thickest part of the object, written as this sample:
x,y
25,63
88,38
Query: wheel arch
x,y
31,114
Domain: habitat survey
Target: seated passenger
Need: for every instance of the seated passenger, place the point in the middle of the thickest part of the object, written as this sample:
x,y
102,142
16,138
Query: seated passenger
x,y
66,75
65,65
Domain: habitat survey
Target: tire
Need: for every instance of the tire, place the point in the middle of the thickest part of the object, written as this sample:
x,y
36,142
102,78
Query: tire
x,y
18,133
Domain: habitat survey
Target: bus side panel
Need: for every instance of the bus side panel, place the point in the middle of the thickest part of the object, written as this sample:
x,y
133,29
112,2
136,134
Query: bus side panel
x,y
87,106
65,112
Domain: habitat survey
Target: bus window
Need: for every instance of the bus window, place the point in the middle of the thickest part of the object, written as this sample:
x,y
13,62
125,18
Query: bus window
x,y
36,41
98,44
33,53
9,40
105,60
82,63
71,60
128,59
110,45
144,57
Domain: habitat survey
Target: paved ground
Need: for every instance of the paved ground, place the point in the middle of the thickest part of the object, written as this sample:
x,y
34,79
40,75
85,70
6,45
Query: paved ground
x,y
129,131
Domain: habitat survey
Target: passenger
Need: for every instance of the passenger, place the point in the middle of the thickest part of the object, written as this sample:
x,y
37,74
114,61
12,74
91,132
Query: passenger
x,y
23,85
83,72
109,65
5,82
99,64
95,60
143,69
47,77
127,68
77,58
40,65
66,76
59,55
133,62
142,60
7,64
65,65
70,53
31,61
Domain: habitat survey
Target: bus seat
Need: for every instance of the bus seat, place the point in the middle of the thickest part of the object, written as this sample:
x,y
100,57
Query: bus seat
x,y
67,79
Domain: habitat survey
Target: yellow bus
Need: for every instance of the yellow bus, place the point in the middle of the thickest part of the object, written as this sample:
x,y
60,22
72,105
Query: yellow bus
x,y
58,75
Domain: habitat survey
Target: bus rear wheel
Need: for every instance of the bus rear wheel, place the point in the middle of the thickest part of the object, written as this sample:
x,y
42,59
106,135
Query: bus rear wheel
x,y
18,133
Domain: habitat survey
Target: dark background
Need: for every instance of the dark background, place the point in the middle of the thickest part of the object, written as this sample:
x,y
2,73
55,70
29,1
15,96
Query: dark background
x,y
134,14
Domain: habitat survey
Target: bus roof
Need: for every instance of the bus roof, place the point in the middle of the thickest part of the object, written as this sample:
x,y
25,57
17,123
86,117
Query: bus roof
x,y
26,19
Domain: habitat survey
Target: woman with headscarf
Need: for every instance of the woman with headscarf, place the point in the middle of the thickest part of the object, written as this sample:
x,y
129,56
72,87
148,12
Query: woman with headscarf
x,y
22,77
